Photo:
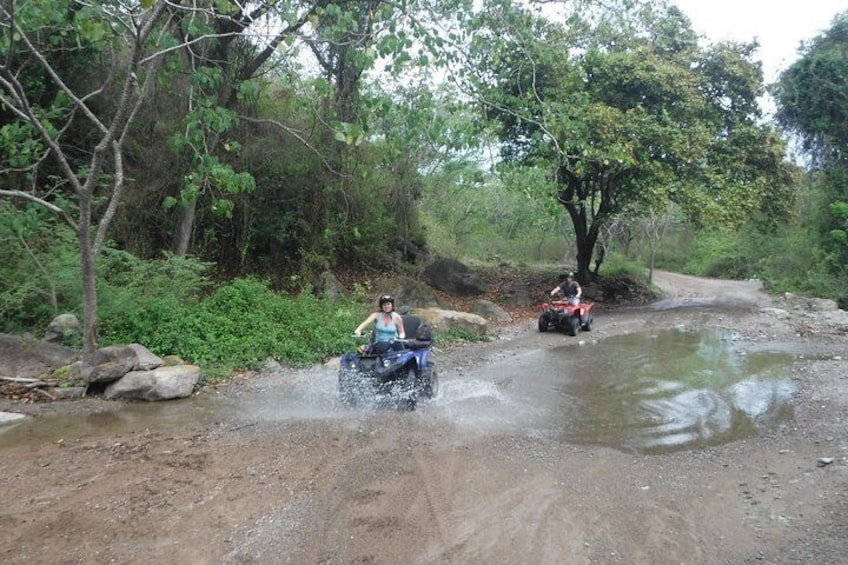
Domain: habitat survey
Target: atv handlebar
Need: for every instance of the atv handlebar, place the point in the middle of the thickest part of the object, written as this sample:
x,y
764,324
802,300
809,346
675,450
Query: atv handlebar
x,y
364,336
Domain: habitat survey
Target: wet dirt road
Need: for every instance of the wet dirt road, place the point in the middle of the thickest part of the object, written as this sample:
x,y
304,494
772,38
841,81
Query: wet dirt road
x,y
518,460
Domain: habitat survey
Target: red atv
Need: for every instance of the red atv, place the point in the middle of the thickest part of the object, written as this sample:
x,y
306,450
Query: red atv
x,y
563,315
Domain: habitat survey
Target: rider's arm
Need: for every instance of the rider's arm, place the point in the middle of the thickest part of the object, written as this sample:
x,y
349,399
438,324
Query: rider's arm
x,y
400,330
367,321
579,289
555,291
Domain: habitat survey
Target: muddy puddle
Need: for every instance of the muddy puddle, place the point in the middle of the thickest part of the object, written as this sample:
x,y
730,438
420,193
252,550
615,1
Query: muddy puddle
x,y
649,392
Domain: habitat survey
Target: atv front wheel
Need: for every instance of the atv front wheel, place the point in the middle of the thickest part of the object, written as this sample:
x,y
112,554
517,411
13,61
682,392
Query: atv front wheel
x,y
347,389
573,325
543,323
408,393
587,325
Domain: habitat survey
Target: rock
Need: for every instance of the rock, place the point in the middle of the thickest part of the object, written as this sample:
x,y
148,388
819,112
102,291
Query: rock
x,y
67,393
778,313
491,311
444,320
31,358
110,364
147,360
62,326
823,304
408,292
825,461
7,418
271,365
329,286
172,360
517,295
453,277
164,383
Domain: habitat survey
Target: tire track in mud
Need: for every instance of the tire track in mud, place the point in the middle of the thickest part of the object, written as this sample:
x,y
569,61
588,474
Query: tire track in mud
x,y
487,513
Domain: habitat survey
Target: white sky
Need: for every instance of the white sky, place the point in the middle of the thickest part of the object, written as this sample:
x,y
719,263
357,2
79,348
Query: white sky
x,y
778,25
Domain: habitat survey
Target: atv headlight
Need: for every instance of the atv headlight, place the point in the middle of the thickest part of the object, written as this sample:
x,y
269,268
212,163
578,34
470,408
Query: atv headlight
x,y
387,362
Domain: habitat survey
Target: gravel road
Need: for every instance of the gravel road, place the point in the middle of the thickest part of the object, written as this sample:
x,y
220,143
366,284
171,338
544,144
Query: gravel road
x,y
272,469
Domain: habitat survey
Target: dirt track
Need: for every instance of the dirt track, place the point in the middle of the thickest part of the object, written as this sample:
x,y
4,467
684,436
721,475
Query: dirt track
x,y
100,483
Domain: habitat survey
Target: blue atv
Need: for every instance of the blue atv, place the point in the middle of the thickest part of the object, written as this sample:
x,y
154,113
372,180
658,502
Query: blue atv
x,y
403,372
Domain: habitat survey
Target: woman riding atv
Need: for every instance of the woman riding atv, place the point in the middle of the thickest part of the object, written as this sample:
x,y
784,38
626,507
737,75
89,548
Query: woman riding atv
x,y
388,326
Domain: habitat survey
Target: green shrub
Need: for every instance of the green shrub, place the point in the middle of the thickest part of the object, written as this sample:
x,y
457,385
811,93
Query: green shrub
x,y
238,325
39,269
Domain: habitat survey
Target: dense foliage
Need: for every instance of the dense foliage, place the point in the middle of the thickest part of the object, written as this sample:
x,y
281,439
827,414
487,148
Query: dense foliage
x,y
812,97
256,145
627,113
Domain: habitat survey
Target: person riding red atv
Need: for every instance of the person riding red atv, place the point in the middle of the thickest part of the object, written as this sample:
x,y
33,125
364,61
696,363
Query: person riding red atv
x,y
566,315
566,311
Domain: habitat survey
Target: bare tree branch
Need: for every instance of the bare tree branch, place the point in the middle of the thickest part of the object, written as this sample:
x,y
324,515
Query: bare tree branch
x,y
52,207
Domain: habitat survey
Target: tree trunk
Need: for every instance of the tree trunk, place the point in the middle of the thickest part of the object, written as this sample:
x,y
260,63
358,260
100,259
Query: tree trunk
x,y
585,237
182,238
88,275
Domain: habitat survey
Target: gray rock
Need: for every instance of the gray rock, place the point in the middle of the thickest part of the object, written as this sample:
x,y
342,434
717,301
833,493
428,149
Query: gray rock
x,y
67,393
147,360
31,358
454,277
446,319
164,383
491,311
329,286
111,363
61,326
7,418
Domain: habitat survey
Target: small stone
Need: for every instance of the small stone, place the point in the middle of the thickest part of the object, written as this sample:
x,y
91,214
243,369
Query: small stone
x,y
825,461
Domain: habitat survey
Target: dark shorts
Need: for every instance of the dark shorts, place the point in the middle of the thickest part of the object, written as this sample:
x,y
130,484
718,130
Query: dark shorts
x,y
381,347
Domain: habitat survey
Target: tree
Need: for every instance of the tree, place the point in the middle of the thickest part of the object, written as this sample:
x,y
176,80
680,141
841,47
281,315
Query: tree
x,y
812,102
625,111
811,95
74,136
224,50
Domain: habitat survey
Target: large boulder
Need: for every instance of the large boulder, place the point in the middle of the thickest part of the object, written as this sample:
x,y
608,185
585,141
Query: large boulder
x,y
145,359
407,292
491,311
455,278
443,320
164,383
31,358
61,327
329,286
111,363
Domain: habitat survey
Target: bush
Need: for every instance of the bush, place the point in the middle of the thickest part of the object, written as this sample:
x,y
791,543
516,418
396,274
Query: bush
x,y
39,269
238,325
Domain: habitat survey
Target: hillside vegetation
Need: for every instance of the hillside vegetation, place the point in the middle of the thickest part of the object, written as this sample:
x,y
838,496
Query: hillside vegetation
x,y
184,178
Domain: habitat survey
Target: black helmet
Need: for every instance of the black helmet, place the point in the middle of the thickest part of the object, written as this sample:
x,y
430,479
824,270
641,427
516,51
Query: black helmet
x,y
387,298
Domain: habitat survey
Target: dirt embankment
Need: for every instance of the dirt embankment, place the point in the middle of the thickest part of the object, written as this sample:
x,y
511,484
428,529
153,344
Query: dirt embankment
x,y
231,477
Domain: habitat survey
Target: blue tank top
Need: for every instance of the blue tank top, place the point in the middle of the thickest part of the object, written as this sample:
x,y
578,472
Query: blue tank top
x,y
384,331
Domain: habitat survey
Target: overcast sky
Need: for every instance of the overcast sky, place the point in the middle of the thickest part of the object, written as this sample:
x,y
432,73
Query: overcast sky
x,y
778,25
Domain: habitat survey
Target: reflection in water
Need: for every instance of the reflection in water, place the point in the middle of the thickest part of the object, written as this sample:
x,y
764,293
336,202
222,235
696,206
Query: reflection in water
x,y
122,418
674,389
